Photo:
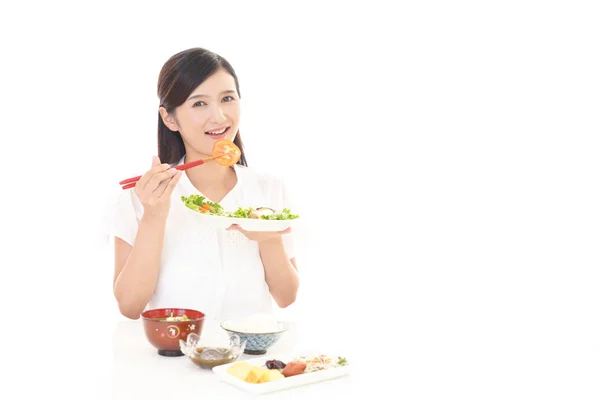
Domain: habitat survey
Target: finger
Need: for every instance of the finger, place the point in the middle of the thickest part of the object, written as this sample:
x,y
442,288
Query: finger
x,y
171,184
155,161
164,185
150,173
158,178
288,230
161,188
234,227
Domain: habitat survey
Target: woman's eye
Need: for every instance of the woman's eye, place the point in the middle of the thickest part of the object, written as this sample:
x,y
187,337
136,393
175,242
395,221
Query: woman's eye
x,y
199,104
228,98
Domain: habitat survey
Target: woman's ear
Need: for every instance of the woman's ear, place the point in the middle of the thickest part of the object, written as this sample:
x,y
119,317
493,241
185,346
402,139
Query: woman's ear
x,y
168,119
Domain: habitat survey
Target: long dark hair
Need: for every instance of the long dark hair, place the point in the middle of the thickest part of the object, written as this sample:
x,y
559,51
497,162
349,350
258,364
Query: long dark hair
x,y
181,74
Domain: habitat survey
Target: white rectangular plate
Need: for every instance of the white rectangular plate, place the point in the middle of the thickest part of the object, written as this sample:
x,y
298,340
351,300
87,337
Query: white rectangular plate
x,y
282,384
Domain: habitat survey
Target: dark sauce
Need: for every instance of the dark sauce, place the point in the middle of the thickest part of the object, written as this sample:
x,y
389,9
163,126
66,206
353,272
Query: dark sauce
x,y
213,357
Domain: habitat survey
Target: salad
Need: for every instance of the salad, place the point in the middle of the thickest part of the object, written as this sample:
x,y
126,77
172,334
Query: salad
x,y
203,205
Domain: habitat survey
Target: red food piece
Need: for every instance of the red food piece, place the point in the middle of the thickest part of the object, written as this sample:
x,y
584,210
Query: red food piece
x,y
293,368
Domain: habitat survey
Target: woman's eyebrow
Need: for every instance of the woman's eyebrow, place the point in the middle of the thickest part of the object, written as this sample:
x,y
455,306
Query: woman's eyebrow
x,y
205,95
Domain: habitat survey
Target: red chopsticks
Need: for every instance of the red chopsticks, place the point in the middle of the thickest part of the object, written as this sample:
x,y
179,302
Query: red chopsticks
x,y
129,183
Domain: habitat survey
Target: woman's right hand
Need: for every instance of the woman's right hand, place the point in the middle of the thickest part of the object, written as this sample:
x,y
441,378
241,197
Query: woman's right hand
x,y
155,187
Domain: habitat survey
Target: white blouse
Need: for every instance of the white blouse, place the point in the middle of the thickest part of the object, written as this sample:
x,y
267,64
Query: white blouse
x,y
216,271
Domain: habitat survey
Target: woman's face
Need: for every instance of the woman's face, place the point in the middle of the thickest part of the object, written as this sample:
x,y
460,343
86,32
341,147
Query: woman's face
x,y
211,112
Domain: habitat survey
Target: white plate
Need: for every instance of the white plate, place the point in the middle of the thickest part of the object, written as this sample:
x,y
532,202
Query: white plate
x,y
256,225
282,384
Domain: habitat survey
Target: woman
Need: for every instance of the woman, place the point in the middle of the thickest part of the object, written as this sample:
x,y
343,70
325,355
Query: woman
x,y
164,256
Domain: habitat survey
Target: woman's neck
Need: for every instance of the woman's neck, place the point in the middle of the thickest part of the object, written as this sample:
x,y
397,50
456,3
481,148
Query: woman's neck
x,y
212,179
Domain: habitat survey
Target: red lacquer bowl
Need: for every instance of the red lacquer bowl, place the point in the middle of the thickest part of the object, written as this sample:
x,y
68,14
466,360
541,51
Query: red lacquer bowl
x,y
164,334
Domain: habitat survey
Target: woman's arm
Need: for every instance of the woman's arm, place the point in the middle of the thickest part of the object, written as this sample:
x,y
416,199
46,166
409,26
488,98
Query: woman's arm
x,y
280,272
137,266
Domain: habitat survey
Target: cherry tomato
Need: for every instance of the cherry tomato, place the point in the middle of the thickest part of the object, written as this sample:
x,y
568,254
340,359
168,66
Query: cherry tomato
x,y
224,146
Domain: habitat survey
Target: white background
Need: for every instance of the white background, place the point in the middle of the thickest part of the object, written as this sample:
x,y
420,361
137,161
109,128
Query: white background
x,y
444,155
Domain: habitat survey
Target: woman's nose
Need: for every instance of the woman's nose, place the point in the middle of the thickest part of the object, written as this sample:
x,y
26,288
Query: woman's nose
x,y
217,116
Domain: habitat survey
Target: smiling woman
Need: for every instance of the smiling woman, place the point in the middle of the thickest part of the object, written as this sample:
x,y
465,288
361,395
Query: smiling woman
x,y
211,108
164,256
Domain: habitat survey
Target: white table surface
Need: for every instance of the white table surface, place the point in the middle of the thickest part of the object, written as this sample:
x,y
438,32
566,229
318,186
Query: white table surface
x,y
138,372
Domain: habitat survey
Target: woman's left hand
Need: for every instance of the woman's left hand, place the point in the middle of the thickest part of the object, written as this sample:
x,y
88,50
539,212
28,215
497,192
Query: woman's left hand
x,y
258,236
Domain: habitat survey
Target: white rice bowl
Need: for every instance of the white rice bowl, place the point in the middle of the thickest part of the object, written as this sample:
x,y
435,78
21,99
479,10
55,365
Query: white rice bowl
x,y
259,323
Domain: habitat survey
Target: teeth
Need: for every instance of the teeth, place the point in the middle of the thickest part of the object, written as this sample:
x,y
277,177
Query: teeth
x,y
217,132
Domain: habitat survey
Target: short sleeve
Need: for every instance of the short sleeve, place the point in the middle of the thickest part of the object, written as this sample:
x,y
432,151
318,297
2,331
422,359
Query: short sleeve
x,y
123,216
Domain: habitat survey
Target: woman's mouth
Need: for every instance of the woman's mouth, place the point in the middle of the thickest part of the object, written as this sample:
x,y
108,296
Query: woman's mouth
x,y
217,133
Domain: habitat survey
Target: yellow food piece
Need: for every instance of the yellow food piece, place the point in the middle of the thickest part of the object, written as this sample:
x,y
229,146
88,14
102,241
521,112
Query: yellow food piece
x,y
270,376
246,372
255,374
239,370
